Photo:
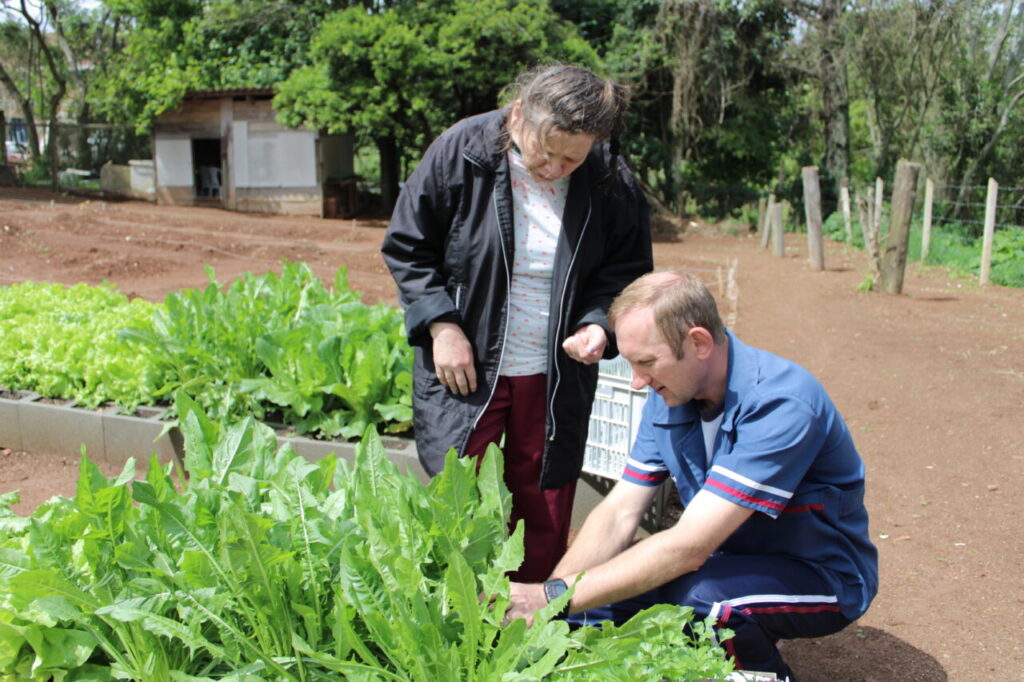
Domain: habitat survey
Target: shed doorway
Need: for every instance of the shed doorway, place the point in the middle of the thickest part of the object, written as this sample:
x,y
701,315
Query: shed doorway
x,y
206,162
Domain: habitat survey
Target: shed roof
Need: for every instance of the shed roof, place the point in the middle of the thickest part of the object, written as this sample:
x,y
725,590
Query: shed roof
x,y
229,92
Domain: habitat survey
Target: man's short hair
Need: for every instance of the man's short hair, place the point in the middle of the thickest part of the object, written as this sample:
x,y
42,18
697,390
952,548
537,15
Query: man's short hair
x,y
679,302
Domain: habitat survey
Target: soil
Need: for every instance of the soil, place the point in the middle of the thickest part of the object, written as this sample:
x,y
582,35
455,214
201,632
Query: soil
x,y
931,383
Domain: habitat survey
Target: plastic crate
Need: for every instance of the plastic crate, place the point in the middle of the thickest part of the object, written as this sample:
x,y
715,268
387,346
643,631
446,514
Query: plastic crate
x,y
614,420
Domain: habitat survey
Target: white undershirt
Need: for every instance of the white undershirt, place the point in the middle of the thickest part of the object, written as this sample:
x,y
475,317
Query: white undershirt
x,y
537,218
710,431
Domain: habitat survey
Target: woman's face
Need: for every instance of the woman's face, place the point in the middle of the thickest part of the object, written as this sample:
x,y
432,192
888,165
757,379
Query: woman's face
x,y
549,156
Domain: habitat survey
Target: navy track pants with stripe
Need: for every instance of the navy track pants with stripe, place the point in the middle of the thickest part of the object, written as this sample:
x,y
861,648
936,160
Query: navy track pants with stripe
x,y
762,599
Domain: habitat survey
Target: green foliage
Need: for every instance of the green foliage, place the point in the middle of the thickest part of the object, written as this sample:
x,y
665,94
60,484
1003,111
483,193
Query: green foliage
x,y
834,227
960,252
267,566
174,47
953,246
1008,257
414,69
62,342
713,98
332,364
283,346
37,174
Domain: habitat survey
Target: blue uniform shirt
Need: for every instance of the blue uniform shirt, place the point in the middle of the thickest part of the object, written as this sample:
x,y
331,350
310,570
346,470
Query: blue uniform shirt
x,y
782,450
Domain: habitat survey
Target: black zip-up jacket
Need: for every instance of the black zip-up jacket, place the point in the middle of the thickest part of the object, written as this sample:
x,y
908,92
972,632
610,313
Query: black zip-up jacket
x,y
450,249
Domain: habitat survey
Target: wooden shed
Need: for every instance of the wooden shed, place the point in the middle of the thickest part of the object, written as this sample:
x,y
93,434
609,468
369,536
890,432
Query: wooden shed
x,y
226,148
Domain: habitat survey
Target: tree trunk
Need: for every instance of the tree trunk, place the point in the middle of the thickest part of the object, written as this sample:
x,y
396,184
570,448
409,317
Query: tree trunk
x,y
387,147
27,113
835,103
36,29
894,258
83,150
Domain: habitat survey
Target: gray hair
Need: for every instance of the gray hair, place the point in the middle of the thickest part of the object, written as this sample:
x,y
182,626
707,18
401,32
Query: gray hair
x,y
571,99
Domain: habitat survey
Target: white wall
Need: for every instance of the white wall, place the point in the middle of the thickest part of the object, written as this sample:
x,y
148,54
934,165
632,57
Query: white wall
x,y
274,158
173,158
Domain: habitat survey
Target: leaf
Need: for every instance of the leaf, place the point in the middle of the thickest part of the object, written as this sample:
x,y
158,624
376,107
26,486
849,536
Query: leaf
x,y
462,593
139,611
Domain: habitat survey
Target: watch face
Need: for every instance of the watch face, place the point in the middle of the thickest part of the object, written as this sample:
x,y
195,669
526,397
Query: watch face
x,y
554,588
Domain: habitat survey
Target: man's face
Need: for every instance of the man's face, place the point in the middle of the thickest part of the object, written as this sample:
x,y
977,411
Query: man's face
x,y
550,156
654,364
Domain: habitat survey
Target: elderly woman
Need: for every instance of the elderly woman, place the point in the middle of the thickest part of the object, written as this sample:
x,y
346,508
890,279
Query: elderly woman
x,y
508,244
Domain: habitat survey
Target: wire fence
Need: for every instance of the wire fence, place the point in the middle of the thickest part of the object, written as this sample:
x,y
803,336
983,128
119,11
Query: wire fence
x,y
963,205
966,205
973,229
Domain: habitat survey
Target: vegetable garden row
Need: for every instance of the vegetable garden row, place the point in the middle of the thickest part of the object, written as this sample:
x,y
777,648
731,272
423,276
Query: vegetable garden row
x,y
259,564
283,348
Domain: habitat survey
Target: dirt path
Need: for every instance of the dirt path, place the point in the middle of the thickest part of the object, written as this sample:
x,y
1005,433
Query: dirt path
x,y
931,383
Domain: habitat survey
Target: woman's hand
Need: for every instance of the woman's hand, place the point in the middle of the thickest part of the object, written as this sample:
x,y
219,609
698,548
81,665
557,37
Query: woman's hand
x,y
587,344
453,358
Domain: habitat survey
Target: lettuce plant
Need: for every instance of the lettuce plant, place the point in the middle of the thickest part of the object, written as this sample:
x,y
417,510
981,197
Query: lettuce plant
x,y
268,344
62,342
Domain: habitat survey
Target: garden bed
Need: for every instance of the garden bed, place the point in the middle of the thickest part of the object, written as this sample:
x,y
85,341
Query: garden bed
x,y
59,427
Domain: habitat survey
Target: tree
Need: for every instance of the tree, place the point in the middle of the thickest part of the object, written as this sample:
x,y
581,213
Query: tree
x,y
35,19
821,51
173,46
56,49
710,109
983,92
16,52
897,51
401,75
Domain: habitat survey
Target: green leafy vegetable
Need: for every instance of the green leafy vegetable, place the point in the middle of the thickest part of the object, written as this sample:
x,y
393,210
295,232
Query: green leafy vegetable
x,y
62,342
281,347
268,566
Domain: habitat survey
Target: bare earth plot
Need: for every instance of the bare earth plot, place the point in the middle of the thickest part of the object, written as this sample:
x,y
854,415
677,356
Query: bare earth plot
x,y
931,383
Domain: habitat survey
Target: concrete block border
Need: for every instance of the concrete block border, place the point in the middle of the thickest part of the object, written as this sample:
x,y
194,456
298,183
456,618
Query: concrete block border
x,y
28,422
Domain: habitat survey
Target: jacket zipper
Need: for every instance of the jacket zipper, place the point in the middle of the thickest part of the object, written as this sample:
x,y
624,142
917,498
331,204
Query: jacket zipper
x,y
508,287
561,312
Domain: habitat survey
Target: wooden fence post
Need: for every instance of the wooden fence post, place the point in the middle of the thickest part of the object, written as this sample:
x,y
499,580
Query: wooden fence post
x,y
926,227
894,259
812,212
767,221
777,230
762,216
990,230
867,227
844,202
879,206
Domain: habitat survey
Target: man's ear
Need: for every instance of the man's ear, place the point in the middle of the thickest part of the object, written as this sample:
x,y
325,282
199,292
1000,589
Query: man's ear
x,y
703,342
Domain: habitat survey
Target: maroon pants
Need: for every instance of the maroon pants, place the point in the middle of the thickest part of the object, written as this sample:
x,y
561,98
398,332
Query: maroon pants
x,y
517,410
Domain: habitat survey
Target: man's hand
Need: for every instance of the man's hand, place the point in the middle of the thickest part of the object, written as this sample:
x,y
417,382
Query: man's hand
x,y
587,344
525,599
453,358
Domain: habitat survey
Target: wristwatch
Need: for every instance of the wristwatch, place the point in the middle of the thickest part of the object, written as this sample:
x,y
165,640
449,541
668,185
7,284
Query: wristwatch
x,y
553,589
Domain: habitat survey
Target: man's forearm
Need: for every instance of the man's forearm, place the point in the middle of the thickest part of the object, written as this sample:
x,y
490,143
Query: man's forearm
x,y
608,530
640,567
